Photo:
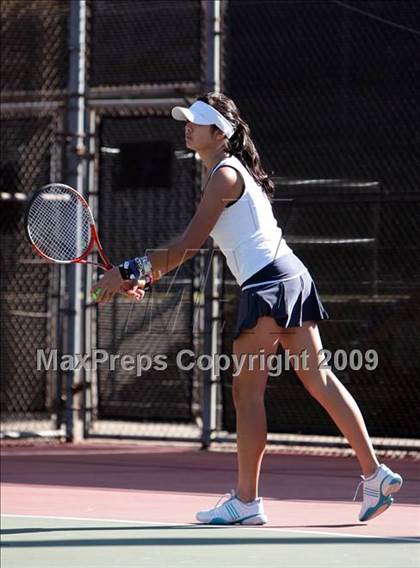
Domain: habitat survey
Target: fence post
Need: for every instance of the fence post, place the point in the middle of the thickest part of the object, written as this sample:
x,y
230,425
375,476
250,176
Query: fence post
x,y
75,170
211,326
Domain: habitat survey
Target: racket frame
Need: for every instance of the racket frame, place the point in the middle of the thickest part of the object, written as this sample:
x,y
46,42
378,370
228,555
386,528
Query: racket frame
x,y
94,238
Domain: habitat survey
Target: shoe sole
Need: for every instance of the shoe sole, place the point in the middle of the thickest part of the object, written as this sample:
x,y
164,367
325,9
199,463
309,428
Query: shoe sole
x,y
385,503
255,520
390,484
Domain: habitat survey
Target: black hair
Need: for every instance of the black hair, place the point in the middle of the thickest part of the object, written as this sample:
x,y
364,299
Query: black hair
x,y
240,144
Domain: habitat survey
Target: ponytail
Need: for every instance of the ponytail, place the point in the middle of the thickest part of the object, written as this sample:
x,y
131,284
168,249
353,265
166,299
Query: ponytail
x,y
240,144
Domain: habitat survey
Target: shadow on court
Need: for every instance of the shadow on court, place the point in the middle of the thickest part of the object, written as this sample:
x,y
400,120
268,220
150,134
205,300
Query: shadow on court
x,y
197,541
161,527
189,470
51,542
156,484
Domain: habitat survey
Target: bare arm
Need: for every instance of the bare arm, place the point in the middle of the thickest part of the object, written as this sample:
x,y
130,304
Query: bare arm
x,y
224,186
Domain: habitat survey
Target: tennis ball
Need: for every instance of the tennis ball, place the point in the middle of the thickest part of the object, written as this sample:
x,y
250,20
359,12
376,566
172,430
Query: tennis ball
x,y
96,294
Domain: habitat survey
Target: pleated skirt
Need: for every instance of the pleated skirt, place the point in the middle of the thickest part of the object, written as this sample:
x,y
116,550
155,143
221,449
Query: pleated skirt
x,y
284,290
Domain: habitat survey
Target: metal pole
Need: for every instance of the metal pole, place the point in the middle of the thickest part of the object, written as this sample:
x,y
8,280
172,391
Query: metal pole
x,y
210,303
75,168
90,320
213,16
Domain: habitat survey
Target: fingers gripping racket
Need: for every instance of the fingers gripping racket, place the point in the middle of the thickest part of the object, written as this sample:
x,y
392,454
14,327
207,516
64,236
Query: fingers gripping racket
x,y
60,226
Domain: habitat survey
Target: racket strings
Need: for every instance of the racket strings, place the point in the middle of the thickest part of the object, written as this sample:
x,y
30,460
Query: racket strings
x,y
59,224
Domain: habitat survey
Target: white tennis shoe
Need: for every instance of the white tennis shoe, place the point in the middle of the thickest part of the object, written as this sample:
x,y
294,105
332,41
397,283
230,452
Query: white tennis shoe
x,y
233,511
377,490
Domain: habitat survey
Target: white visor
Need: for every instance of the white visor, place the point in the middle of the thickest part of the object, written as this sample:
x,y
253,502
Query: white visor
x,y
204,114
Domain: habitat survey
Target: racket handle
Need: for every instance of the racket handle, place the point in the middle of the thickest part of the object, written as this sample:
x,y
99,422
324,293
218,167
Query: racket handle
x,y
149,281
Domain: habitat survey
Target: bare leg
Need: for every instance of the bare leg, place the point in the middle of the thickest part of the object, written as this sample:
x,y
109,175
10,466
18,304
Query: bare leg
x,y
324,386
248,397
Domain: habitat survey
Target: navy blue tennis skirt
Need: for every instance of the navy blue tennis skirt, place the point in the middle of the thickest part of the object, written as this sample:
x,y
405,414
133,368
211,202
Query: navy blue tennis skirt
x,y
283,290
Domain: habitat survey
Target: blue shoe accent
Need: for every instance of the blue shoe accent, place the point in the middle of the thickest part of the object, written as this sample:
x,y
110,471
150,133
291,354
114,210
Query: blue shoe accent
x,y
233,511
377,492
383,504
219,521
242,521
397,480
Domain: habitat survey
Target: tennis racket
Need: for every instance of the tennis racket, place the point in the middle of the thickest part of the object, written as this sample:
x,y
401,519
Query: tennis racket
x,y
60,227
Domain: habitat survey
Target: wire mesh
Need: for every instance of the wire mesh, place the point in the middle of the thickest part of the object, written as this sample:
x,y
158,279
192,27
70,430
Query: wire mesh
x,y
372,303
138,211
34,54
330,92
34,70
141,42
329,89
28,287
135,46
331,96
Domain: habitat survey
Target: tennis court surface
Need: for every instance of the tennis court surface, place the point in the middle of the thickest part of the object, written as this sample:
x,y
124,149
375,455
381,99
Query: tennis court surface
x,y
133,505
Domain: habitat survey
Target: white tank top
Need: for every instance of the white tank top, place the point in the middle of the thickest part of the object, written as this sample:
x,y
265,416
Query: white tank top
x,y
247,232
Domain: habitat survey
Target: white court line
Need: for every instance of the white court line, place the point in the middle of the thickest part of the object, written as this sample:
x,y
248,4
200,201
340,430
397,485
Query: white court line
x,y
200,526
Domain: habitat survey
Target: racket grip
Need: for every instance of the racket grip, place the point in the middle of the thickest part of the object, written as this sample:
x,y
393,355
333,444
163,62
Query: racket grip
x,y
149,281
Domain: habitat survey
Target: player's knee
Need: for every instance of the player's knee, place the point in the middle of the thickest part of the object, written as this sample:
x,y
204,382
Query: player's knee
x,y
246,395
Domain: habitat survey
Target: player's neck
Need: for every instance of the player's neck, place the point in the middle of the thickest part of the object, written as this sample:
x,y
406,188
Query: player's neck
x,y
212,158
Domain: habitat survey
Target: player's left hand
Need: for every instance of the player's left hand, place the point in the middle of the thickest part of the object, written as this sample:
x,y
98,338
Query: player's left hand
x,y
133,289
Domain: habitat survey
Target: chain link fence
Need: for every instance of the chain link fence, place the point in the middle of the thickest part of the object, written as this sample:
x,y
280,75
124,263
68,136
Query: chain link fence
x,y
330,95
134,44
34,54
148,190
330,92
29,289
34,69
329,89
373,304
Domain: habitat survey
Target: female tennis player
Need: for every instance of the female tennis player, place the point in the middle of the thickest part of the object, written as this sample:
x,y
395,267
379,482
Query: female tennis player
x,y
279,303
